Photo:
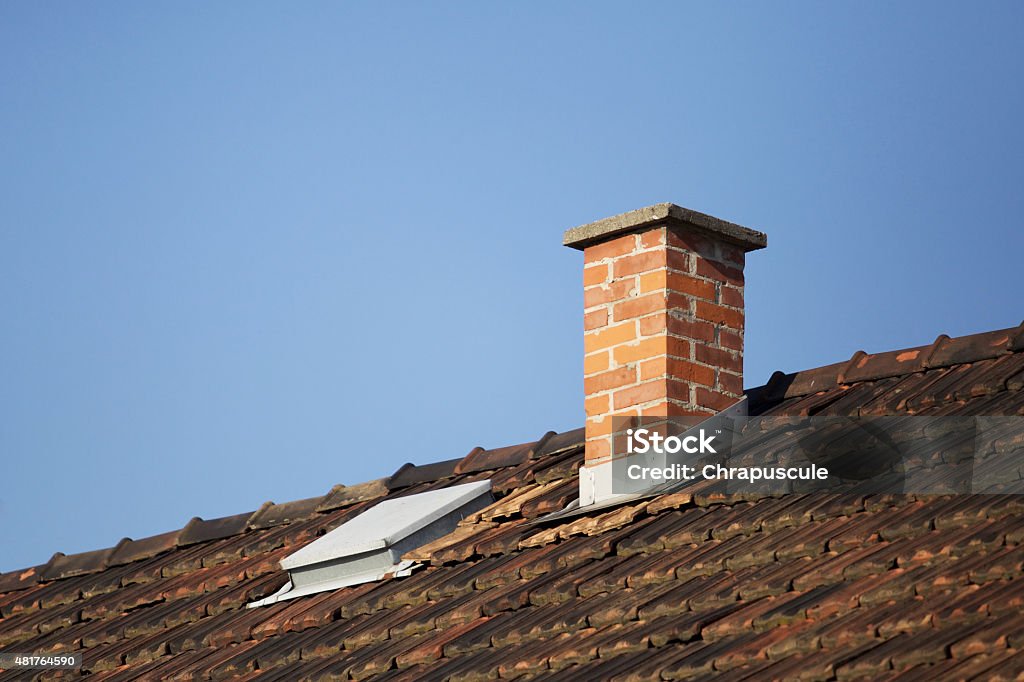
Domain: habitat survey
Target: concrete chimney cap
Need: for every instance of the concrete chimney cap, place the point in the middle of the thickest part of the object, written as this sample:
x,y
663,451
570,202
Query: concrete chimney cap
x,y
633,221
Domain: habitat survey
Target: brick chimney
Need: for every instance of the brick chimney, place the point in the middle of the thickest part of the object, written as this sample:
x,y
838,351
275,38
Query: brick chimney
x,y
663,316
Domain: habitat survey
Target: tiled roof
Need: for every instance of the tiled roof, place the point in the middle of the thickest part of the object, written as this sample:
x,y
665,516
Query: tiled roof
x,y
814,586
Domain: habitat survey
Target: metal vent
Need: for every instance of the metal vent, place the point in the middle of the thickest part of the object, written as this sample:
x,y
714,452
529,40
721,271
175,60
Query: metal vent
x,y
371,545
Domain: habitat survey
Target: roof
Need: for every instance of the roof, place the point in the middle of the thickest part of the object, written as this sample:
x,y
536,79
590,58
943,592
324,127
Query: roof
x,y
810,586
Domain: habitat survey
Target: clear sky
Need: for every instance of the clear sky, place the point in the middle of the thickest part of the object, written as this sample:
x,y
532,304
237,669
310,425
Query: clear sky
x,y
251,250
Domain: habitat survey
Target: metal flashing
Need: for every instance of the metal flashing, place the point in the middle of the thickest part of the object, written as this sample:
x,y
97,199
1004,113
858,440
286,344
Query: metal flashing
x,y
595,480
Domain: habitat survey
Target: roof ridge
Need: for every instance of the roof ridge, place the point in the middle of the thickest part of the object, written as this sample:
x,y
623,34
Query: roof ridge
x,y
195,531
271,514
944,351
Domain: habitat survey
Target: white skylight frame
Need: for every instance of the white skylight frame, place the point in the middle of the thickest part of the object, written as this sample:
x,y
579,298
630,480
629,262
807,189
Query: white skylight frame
x,y
370,546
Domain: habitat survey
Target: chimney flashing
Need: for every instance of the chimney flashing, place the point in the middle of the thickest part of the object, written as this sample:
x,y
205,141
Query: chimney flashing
x,y
665,213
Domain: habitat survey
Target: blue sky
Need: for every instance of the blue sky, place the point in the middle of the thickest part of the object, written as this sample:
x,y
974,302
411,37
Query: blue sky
x,y
249,251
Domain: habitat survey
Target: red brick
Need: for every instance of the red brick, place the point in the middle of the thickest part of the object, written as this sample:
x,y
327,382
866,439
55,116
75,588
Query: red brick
x,y
610,249
681,306
635,395
596,362
657,390
595,274
647,348
671,408
691,241
719,358
679,348
691,372
719,314
719,272
678,260
609,336
707,248
653,324
595,318
681,287
730,383
599,295
609,380
732,296
729,340
635,307
697,330
597,405
653,281
652,238
602,424
676,368
654,368
598,448
637,263
713,399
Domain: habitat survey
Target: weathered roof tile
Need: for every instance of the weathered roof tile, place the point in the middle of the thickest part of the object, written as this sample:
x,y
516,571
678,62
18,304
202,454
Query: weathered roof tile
x,y
272,515
130,551
342,495
198,530
62,566
485,460
884,365
972,348
559,442
410,474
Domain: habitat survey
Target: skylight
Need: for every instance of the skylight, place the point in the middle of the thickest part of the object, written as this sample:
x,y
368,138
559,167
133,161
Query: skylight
x,y
371,545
